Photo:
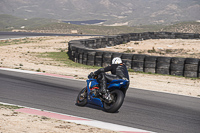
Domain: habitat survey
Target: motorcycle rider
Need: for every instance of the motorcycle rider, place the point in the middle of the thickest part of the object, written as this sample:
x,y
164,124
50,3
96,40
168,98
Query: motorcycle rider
x,y
118,71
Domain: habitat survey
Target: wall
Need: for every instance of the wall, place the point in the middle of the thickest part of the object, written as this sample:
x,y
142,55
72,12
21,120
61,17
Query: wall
x,y
85,52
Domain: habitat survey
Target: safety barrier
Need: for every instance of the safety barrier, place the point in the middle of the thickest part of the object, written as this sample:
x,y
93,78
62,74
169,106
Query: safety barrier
x,y
85,52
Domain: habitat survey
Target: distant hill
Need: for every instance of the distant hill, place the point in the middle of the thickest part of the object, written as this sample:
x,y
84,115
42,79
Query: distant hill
x,y
115,12
184,27
11,23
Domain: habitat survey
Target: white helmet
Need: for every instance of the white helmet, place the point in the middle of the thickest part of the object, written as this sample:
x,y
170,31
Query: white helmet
x,y
116,60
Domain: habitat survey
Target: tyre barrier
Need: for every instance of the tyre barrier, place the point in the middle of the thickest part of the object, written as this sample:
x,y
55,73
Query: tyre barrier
x,y
106,59
99,58
177,66
163,65
138,62
191,67
85,51
150,64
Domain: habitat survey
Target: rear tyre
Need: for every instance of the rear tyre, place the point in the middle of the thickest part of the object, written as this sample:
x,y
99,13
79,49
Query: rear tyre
x,y
118,99
82,97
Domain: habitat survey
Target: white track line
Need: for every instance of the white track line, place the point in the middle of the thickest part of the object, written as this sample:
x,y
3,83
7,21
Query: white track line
x,y
18,70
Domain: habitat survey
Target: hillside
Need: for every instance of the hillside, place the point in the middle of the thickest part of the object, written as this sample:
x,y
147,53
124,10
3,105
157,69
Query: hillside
x,y
114,12
11,23
184,27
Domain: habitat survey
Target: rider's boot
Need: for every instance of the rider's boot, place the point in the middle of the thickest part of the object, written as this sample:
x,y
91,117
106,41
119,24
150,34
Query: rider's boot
x,y
103,84
103,91
102,88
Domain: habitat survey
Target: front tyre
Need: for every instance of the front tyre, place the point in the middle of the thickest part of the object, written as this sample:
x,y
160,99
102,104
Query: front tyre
x,y
117,100
82,97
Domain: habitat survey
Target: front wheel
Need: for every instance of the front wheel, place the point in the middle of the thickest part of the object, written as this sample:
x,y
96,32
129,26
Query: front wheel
x,y
82,97
117,100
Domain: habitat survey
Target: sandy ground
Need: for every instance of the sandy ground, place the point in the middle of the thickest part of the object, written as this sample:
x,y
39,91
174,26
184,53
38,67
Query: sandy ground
x,y
161,47
22,55
16,122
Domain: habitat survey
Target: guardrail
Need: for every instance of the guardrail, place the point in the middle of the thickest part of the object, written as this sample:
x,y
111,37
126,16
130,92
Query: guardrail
x,y
85,52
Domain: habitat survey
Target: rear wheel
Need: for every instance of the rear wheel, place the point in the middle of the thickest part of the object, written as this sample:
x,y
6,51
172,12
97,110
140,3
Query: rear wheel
x,y
117,100
82,97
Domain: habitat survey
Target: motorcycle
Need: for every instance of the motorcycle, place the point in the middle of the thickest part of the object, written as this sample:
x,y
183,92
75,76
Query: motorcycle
x,y
111,101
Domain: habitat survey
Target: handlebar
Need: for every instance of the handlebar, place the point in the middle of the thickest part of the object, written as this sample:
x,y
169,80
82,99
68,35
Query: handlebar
x,y
92,75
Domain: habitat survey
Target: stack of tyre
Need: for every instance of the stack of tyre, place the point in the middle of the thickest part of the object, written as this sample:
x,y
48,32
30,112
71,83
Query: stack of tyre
x,y
150,64
111,40
163,65
125,38
107,56
104,42
76,55
146,35
98,43
134,36
138,62
162,35
199,70
73,51
98,58
91,57
84,60
177,66
91,43
119,39
80,55
191,68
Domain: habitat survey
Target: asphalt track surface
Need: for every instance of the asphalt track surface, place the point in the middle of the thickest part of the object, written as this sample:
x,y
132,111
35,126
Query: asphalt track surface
x,y
152,111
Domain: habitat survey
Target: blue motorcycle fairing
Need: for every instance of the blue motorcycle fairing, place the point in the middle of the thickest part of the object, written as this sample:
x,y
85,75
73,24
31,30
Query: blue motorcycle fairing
x,y
91,83
91,97
115,84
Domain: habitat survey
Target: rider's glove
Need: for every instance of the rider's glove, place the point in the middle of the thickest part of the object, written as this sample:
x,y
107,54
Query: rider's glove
x,y
91,75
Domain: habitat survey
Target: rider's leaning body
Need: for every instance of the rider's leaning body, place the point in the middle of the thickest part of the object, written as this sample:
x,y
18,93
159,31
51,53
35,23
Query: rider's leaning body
x,y
118,71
